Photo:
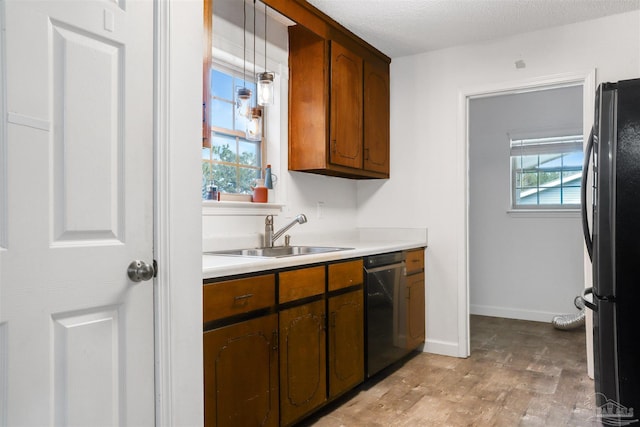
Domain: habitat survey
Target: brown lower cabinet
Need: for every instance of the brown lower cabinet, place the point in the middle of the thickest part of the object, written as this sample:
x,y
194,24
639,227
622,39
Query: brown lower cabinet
x,y
415,310
241,374
303,365
346,342
285,343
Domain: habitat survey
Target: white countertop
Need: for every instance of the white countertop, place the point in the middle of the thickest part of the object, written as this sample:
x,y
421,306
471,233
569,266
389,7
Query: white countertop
x,y
364,242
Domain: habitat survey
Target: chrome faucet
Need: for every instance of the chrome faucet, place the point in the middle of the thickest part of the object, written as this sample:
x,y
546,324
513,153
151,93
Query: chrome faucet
x,y
270,237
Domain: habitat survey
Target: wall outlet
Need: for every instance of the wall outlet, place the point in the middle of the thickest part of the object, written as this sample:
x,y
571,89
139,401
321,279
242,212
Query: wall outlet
x,y
319,209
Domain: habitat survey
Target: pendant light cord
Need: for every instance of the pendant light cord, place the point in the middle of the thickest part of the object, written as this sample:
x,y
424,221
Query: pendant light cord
x,y
265,37
254,41
244,43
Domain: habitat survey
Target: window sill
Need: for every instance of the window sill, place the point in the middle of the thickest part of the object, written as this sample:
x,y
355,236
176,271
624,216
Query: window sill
x,y
213,208
544,213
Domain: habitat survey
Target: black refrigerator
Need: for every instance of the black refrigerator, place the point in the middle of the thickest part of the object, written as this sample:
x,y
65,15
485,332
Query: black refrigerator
x,y
613,243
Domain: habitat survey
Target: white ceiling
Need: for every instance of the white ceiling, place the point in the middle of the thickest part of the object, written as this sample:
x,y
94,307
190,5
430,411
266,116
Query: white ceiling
x,y
406,27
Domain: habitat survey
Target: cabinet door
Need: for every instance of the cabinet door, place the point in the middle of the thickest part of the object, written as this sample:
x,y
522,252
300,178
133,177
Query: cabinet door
x,y
415,310
346,342
376,117
241,374
302,360
346,108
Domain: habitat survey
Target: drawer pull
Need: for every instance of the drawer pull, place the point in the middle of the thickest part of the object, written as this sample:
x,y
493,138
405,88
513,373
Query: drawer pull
x,y
242,298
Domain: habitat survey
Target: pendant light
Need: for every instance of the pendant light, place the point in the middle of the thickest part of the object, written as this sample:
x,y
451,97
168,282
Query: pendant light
x,y
243,94
254,124
265,79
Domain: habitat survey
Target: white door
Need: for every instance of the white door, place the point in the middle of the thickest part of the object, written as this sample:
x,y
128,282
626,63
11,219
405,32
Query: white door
x,y
76,334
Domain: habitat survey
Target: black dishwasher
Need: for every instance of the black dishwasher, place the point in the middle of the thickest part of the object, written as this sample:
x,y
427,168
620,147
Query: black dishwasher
x,y
385,276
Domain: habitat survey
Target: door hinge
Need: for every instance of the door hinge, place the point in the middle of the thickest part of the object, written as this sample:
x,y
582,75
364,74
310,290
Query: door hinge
x,y
155,268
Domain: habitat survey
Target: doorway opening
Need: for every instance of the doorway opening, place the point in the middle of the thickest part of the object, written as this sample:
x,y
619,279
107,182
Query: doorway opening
x,y
585,83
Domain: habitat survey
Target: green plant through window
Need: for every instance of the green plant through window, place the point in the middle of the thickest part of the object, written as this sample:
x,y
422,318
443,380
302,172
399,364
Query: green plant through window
x,y
231,162
546,172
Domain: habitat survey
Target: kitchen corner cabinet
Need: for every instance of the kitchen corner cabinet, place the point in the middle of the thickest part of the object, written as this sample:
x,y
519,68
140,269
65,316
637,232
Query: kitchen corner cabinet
x,y
338,108
415,295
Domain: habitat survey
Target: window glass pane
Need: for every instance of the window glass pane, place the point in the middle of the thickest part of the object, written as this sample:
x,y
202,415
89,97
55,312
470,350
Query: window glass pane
x,y
206,153
550,161
221,85
526,197
571,178
207,178
573,160
247,179
222,114
549,179
225,178
224,148
526,162
550,196
571,195
529,180
249,153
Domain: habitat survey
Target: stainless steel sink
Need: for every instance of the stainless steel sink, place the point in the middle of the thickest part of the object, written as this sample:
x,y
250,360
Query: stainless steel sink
x,y
278,251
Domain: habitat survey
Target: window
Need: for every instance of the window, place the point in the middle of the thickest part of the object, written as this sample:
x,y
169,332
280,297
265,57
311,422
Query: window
x,y
229,160
546,172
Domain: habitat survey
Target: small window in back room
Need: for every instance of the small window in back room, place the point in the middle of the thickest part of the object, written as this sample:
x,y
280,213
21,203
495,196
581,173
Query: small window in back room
x,y
546,172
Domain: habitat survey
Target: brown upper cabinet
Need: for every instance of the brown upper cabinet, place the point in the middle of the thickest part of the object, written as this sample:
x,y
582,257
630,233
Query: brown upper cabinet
x,y
338,97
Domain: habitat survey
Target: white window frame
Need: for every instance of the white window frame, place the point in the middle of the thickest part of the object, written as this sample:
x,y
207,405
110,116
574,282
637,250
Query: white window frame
x,y
523,145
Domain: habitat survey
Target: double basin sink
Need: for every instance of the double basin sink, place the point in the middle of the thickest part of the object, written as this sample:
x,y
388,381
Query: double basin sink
x,y
278,251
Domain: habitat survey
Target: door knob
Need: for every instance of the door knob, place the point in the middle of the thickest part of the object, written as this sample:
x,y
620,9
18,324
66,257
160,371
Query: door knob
x,y
140,270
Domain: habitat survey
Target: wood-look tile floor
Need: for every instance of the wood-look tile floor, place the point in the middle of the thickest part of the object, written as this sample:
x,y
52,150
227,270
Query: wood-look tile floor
x,y
519,373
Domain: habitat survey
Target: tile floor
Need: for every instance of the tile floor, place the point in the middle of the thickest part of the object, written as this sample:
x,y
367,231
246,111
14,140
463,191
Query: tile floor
x,y
519,373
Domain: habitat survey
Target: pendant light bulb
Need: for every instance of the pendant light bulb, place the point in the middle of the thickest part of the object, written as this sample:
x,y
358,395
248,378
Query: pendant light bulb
x,y
243,102
265,88
254,125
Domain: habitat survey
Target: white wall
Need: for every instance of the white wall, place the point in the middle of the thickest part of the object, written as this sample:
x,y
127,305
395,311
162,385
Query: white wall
x,y
427,188
300,192
522,265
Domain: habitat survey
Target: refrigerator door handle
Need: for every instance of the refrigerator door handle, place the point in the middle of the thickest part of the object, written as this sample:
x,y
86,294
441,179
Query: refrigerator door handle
x,y
583,196
591,306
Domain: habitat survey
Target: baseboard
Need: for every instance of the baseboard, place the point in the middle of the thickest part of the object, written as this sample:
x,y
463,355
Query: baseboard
x,y
511,313
444,348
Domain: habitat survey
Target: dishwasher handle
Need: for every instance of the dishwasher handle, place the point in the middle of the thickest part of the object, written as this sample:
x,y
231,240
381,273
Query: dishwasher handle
x,y
401,265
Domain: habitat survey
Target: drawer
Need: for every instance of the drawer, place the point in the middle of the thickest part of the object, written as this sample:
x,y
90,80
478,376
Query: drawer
x,y
345,274
224,299
302,283
415,261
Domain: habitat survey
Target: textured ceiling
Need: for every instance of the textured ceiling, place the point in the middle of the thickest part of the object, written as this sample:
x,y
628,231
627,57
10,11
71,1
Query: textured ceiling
x,y
406,27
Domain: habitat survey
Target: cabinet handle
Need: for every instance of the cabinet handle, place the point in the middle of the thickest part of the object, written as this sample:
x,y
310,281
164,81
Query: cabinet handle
x,y
408,293
334,316
366,154
334,143
242,298
274,341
